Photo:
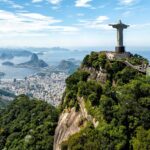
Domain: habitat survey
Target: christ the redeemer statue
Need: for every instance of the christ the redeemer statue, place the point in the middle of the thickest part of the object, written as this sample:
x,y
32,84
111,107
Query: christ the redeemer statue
x,y
120,26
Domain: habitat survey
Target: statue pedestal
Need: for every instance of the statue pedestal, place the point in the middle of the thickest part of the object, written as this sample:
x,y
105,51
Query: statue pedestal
x,y
120,49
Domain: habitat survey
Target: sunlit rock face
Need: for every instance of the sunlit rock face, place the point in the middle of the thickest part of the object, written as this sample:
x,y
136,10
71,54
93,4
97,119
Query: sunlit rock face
x,y
70,122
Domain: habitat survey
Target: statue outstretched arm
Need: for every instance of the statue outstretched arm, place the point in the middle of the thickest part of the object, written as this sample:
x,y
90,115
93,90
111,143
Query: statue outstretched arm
x,y
113,25
126,26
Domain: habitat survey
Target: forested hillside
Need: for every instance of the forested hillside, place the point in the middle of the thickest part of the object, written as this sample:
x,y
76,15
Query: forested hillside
x,y
27,125
120,105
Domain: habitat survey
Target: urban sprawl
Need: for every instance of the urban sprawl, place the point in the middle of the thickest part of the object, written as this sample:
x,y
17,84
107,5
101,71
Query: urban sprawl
x,y
49,87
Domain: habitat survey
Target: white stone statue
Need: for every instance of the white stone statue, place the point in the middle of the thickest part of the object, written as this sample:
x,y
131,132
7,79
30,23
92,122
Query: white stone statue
x,y
120,26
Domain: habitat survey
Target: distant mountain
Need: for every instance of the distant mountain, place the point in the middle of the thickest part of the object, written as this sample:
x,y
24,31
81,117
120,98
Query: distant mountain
x,y
75,61
2,74
5,98
59,49
66,65
9,54
8,63
34,62
6,93
49,49
6,56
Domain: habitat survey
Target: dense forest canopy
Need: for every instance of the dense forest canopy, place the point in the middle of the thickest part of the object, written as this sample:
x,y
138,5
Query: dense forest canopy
x,y
28,124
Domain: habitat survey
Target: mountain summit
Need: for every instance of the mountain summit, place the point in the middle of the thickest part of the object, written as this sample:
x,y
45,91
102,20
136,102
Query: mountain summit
x,y
34,62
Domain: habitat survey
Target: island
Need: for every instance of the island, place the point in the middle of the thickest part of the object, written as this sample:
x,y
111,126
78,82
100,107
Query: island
x,y
67,66
8,63
34,62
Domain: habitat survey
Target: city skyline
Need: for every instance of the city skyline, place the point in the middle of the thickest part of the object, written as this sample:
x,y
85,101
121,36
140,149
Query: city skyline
x,y
76,23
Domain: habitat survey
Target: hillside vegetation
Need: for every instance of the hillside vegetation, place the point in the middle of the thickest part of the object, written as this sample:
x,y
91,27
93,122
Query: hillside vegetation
x,y
118,103
121,105
27,125
3,104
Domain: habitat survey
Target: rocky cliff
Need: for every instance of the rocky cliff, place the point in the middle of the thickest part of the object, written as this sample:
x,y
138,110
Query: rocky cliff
x,y
71,122
98,75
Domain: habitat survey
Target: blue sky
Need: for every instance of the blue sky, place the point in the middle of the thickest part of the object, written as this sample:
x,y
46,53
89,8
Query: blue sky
x,y
72,23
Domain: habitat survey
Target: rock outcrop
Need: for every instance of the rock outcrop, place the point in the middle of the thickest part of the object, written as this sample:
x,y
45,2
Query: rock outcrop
x,y
100,75
70,122
68,125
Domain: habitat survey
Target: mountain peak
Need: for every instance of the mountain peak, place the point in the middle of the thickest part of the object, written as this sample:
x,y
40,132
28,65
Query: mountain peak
x,y
34,57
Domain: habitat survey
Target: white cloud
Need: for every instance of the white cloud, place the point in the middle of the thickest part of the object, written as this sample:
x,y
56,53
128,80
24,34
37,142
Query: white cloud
x,y
54,2
101,19
83,3
36,1
98,23
141,26
127,2
27,23
12,4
